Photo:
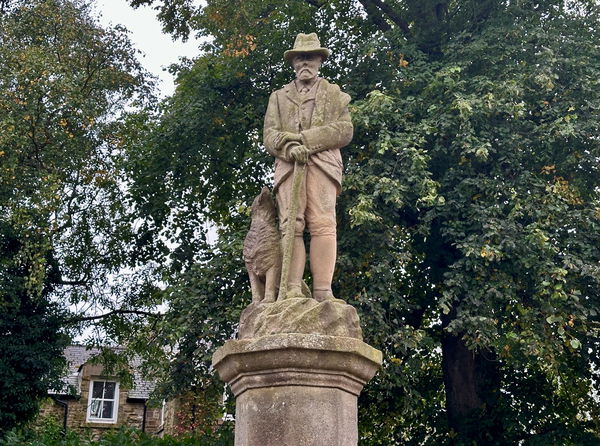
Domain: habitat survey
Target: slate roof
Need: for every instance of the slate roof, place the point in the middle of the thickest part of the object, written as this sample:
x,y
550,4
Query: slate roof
x,y
78,355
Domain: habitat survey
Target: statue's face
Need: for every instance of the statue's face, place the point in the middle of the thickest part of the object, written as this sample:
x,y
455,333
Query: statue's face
x,y
306,66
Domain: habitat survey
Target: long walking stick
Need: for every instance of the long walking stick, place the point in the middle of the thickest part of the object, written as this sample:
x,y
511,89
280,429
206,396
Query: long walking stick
x,y
288,239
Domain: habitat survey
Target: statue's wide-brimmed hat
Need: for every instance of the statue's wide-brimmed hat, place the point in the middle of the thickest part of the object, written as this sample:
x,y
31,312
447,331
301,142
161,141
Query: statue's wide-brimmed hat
x,y
306,43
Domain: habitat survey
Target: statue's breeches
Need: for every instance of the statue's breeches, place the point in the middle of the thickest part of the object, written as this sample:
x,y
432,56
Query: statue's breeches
x,y
316,208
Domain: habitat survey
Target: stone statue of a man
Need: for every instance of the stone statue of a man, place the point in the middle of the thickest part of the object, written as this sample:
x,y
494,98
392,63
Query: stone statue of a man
x,y
308,122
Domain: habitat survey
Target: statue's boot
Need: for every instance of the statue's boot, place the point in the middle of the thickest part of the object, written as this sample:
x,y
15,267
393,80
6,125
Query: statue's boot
x,y
323,250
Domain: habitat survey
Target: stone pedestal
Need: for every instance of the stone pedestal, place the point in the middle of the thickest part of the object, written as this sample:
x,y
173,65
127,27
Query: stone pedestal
x,y
296,389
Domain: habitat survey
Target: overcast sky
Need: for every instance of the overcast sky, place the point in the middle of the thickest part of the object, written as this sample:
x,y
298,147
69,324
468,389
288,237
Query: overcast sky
x,y
159,50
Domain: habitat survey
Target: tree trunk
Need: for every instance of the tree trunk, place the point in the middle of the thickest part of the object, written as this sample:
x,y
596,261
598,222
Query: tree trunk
x,y
472,384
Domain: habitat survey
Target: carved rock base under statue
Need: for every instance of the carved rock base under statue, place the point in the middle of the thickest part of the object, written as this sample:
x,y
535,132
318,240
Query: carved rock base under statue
x,y
296,389
300,315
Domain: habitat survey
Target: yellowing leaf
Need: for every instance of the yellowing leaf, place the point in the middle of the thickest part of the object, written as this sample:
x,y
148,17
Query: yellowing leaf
x,y
548,169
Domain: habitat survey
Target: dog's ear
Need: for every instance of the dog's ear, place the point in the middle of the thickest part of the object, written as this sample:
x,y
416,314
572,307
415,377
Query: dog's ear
x,y
260,199
265,195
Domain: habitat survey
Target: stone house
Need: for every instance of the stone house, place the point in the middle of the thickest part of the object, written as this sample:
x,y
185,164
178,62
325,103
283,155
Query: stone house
x,y
92,400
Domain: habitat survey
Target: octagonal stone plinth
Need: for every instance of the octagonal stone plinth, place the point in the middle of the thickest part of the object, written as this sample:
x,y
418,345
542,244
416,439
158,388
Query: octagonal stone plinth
x,y
296,389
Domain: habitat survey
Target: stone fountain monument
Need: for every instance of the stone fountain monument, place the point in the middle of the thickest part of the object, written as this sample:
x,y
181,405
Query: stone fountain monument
x,y
299,362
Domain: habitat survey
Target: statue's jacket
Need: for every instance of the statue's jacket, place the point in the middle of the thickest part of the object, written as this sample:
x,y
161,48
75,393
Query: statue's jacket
x,y
329,129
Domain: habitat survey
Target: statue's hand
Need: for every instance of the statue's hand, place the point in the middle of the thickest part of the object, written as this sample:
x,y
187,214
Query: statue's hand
x,y
300,154
289,137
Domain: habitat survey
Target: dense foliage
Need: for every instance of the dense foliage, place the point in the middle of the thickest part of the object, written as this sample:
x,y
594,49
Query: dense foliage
x,y
469,225
50,434
65,84
30,340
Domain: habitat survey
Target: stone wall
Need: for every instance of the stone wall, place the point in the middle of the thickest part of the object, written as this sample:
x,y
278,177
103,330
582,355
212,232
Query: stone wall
x,y
154,420
171,422
50,409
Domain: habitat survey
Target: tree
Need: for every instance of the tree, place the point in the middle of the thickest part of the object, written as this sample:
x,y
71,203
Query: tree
x,y
31,341
469,225
65,84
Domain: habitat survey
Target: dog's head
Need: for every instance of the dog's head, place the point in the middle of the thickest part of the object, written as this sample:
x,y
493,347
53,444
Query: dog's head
x,y
263,204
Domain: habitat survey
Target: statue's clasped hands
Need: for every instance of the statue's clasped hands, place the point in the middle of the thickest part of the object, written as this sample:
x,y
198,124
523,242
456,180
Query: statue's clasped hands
x,y
298,152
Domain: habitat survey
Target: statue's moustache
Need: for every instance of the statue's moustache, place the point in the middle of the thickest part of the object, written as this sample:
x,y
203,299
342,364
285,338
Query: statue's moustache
x,y
308,70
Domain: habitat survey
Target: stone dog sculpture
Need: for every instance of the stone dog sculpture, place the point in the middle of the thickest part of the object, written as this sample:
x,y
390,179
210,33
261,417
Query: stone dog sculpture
x,y
262,250
262,253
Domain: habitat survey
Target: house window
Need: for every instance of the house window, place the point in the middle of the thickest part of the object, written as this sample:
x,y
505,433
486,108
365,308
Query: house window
x,y
103,402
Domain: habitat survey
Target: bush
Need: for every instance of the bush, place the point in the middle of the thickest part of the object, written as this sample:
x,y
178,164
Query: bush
x,y
49,433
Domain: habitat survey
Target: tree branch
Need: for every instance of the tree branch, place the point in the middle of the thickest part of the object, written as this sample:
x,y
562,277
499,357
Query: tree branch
x,y
111,313
392,14
375,15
